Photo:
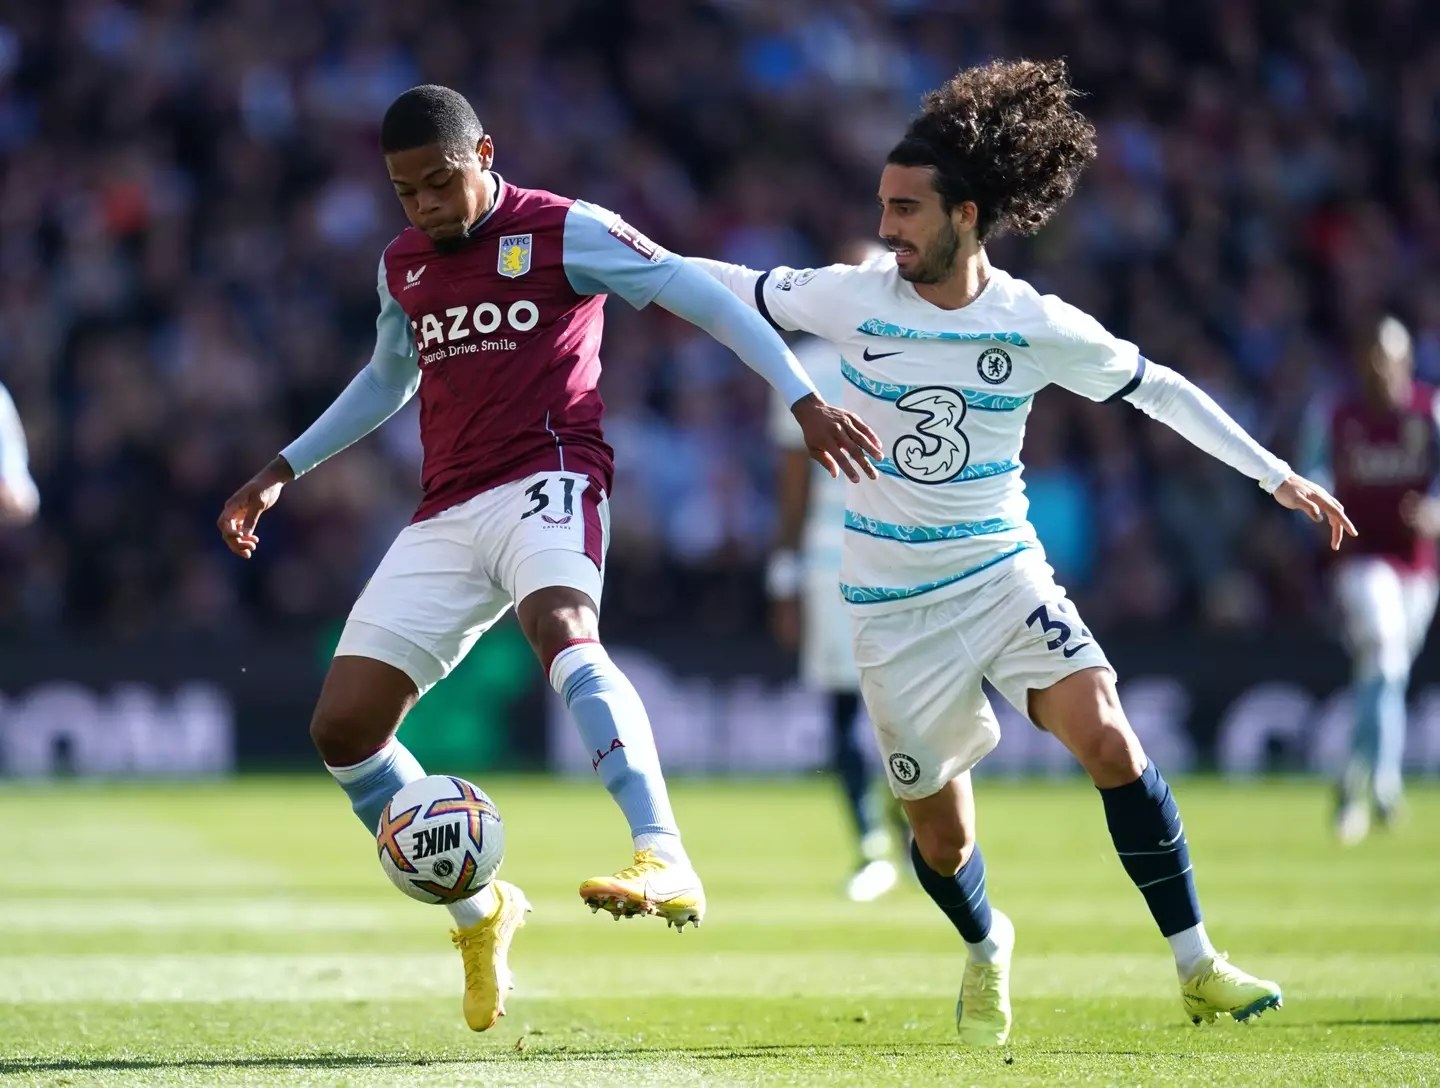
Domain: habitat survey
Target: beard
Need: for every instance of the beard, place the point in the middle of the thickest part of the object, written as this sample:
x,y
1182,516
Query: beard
x,y
936,262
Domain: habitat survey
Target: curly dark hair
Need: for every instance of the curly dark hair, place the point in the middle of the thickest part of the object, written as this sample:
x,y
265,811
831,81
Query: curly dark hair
x,y
1006,136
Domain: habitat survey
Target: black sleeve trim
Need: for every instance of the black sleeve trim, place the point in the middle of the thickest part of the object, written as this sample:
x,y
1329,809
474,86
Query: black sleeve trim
x,y
760,302
1130,386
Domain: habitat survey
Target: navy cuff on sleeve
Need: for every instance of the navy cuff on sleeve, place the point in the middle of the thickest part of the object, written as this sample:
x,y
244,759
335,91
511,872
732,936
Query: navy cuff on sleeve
x,y
1130,386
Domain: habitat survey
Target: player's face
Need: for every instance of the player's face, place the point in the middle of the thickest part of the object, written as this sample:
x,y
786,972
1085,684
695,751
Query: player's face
x,y
1387,375
442,189
915,225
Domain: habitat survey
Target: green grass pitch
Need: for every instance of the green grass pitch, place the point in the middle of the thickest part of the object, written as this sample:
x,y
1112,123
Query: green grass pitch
x,y
242,932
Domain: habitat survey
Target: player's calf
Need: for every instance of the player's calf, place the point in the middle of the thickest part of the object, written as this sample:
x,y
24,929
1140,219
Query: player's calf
x,y
1083,711
561,625
353,728
950,867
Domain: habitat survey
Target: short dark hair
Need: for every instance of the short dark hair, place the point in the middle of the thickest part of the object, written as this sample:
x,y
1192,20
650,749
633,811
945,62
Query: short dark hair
x,y
430,114
1005,136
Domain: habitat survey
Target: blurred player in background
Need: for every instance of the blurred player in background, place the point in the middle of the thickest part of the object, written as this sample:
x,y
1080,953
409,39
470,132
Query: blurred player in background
x,y
807,611
944,574
1378,450
19,497
491,307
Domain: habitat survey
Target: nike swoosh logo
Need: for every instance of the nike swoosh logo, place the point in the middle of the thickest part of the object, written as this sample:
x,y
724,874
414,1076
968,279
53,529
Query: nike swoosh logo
x,y
1071,651
870,358
659,892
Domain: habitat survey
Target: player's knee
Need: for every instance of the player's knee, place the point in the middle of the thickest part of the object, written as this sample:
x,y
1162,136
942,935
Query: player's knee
x,y
946,847
345,733
555,617
1111,753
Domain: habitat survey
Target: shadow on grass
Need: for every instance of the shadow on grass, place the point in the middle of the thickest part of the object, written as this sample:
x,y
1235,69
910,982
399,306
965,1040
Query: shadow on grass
x,y
534,1053
1366,1021
315,1061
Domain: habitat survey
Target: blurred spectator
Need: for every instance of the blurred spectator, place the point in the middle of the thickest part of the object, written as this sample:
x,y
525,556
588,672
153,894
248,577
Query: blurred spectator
x,y
191,209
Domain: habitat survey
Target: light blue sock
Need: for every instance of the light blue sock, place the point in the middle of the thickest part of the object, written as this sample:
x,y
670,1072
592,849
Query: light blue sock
x,y
1389,740
616,732
371,783
1365,737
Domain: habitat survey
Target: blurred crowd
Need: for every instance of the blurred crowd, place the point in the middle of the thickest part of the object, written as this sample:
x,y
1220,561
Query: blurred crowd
x,y
192,206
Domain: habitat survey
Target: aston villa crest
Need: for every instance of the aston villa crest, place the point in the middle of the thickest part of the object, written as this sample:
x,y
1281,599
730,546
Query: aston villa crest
x,y
514,259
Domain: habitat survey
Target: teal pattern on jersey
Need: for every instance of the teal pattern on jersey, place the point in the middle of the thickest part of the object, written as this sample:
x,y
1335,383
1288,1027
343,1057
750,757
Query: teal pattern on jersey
x,y
881,594
886,467
926,534
974,398
876,327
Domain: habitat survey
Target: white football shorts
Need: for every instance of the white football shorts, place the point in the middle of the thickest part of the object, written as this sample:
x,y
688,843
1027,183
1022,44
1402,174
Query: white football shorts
x,y
827,656
446,580
1386,613
921,669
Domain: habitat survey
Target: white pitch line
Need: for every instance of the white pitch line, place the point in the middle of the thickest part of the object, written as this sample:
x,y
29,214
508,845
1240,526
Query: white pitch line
x,y
359,976
386,910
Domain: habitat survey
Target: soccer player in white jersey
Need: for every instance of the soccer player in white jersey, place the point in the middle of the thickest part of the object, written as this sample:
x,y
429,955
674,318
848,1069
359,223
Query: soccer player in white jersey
x,y
946,580
807,611
19,497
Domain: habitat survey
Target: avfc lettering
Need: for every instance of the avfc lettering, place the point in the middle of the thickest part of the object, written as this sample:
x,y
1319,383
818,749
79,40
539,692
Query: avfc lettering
x,y
439,336
430,841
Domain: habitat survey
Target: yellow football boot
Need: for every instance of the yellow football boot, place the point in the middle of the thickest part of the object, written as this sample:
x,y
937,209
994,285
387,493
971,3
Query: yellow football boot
x,y
649,885
982,1015
1219,987
485,949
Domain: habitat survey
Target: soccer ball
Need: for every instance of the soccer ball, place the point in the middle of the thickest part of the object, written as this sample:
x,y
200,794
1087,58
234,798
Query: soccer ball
x,y
440,839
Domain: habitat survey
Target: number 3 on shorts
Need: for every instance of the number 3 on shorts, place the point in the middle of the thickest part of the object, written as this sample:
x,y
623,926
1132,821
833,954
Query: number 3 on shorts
x,y
1059,631
539,494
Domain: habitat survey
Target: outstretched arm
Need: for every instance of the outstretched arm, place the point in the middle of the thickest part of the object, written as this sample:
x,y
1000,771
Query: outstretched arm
x,y
1169,397
605,255
735,278
691,294
374,395
19,497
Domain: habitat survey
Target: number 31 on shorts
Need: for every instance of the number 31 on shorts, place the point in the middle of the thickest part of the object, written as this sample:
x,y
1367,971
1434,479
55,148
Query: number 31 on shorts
x,y
555,497
555,494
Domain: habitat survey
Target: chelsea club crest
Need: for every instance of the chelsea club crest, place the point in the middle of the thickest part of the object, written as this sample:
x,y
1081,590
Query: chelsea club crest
x,y
994,365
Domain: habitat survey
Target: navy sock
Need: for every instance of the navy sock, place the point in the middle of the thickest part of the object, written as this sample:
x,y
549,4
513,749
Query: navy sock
x,y
1145,826
850,761
962,896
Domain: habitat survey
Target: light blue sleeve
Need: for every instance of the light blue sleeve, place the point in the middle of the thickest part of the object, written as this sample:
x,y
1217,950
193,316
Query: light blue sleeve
x,y
374,395
1312,447
604,255
708,305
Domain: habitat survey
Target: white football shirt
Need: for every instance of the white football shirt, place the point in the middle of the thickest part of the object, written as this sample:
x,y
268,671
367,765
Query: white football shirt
x,y
948,392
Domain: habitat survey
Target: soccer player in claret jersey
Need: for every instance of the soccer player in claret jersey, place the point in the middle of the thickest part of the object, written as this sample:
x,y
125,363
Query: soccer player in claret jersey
x,y
491,306
945,578
1378,450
